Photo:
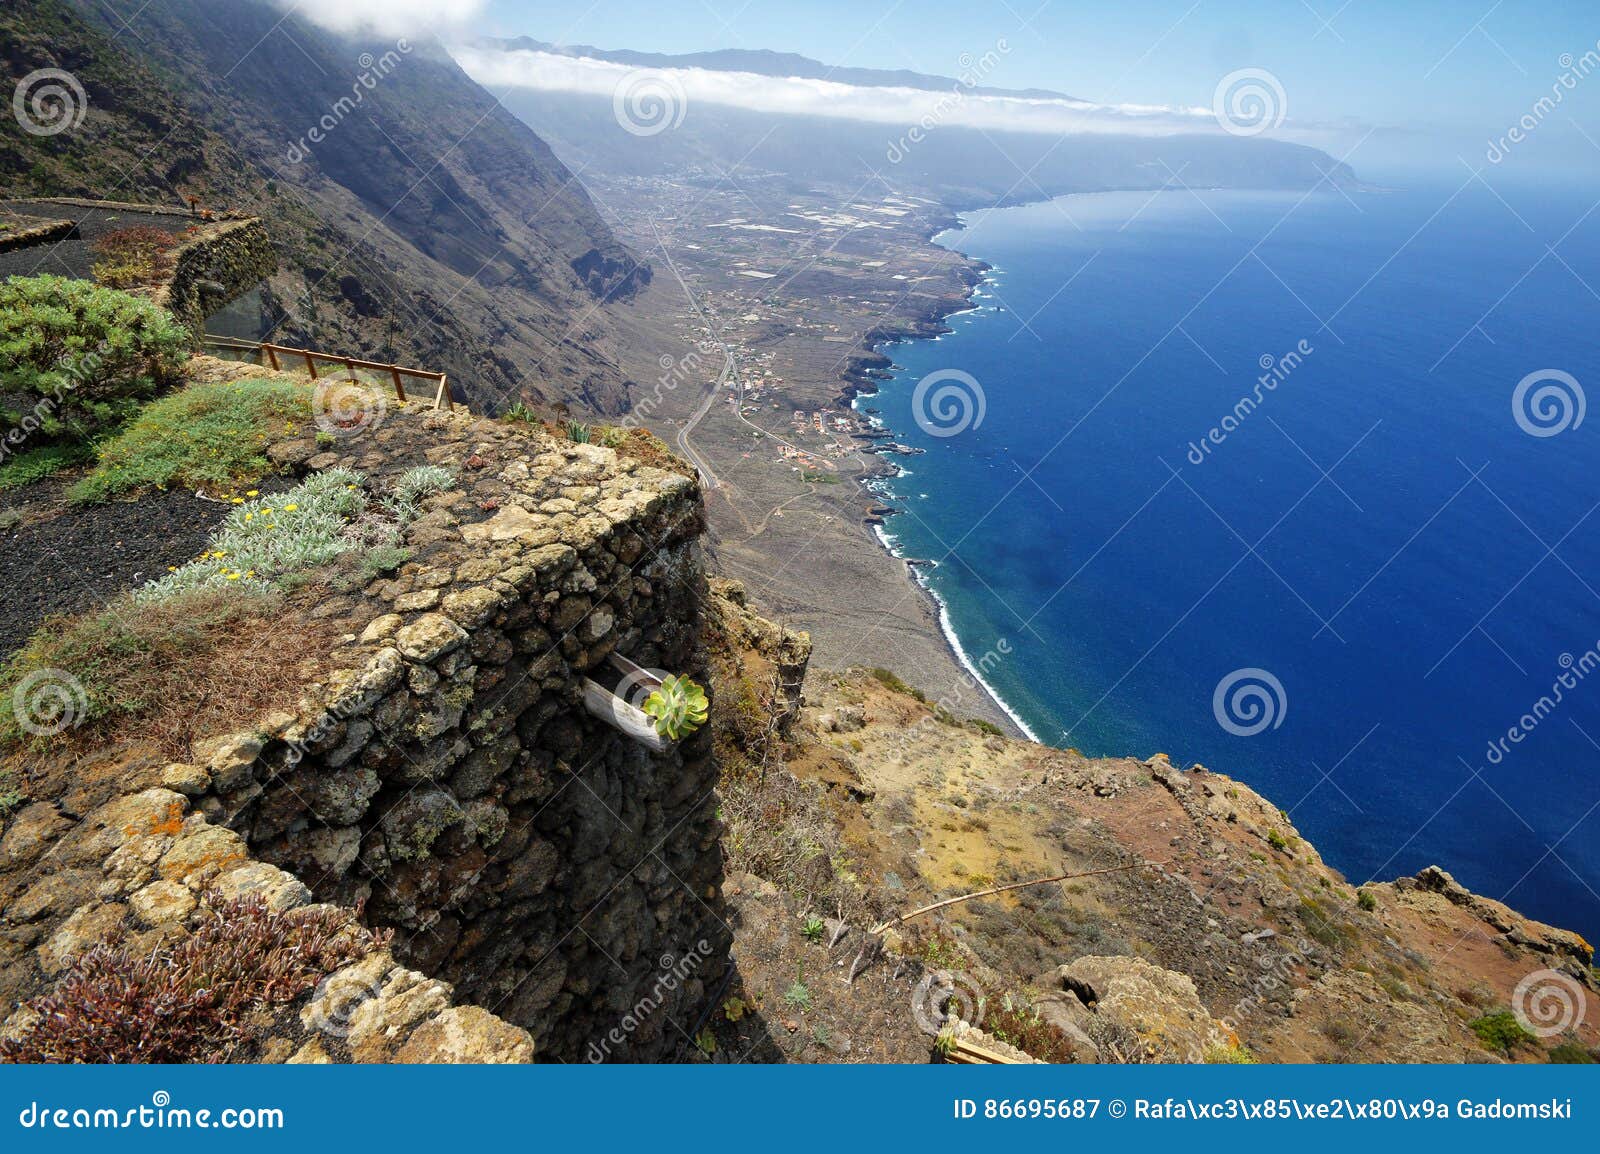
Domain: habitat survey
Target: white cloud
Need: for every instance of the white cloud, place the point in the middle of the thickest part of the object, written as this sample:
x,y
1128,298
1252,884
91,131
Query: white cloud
x,y
805,97
388,17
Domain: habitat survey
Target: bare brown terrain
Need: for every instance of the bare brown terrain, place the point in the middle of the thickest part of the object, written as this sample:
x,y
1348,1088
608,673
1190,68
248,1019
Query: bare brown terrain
x,y
760,323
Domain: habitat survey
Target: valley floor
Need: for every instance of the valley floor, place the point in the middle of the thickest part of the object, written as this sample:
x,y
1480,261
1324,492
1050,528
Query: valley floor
x,y
762,313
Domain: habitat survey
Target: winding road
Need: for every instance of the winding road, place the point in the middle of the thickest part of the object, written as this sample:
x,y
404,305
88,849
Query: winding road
x,y
708,477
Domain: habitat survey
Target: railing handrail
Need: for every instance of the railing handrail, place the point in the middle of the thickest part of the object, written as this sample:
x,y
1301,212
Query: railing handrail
x,y
270,350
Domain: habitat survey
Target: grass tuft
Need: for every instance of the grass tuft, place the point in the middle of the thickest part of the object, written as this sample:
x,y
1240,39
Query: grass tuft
x,y
37,464
167,671
204,436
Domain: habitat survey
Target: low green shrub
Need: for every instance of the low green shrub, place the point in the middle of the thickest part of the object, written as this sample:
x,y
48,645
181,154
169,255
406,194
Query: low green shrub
x,y
1571,1054
37,464
1500,1031
210,435
266,538
81,357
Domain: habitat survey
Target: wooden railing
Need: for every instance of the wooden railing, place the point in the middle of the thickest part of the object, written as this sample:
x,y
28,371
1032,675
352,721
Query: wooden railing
x,y
284,358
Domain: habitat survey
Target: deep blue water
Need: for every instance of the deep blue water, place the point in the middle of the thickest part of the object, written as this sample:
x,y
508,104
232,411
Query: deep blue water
x,y
1411,613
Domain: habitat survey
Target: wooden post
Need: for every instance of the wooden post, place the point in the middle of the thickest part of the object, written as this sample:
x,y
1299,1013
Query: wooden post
x,y
444,395
272,356
311,366
399,389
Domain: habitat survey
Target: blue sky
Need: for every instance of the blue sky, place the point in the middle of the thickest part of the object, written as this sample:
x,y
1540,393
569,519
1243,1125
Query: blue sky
x,y
1438,79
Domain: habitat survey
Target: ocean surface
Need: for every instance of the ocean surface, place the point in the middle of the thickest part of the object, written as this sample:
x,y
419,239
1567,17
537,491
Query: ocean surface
x,y
1373,593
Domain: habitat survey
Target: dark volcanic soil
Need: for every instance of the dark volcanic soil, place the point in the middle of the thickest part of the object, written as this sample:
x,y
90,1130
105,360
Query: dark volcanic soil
x,y
63,559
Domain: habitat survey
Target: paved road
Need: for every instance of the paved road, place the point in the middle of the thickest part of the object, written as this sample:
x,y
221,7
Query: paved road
x,y
729,369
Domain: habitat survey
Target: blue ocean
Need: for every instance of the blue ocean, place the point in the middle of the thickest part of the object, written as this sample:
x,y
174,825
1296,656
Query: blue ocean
x,y
1297,487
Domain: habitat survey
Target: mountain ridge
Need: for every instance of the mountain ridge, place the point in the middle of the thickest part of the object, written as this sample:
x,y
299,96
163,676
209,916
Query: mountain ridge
x,y
428,225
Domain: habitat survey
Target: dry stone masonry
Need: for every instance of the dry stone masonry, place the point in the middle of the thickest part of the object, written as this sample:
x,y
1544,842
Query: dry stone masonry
x,y
445,778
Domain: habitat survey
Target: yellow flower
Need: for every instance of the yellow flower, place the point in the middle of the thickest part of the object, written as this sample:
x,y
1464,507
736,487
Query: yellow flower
x,y
240,501
251,492
234,576
290,508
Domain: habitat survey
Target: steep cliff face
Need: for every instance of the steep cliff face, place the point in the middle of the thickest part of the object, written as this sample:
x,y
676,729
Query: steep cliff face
x,y
1198,925
417,219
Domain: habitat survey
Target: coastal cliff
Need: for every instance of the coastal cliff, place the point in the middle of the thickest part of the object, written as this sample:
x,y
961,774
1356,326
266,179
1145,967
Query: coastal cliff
x,y
410,841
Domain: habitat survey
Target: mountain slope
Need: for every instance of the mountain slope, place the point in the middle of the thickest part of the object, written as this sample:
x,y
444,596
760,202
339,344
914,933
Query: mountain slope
x,y
417,218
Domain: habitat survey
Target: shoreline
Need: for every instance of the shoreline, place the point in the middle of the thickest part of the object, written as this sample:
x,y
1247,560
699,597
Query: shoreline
x,y
855,392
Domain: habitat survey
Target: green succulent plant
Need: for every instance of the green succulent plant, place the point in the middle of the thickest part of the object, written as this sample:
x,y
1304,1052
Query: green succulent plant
x,y
578,432
679,707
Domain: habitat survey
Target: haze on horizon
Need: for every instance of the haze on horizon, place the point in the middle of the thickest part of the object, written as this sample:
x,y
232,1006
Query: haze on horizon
x,y
1395,92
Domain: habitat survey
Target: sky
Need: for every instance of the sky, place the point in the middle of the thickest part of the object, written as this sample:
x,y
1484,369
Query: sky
x,y
1408,81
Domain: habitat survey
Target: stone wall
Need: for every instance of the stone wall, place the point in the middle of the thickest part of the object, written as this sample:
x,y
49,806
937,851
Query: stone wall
x,y
449,778
223,262
445,778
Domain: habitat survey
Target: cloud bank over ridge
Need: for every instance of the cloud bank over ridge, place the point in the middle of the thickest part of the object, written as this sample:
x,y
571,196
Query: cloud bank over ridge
x,y
958,106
